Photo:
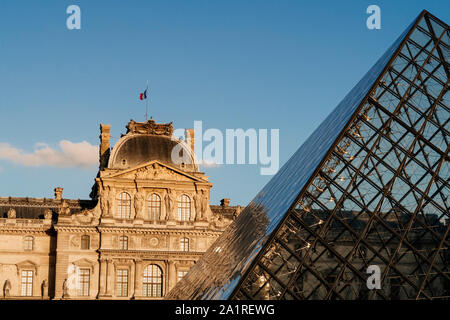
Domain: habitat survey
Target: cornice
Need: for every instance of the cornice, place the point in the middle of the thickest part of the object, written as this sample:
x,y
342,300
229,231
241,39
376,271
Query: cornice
x,y
134,230
138,253
76,228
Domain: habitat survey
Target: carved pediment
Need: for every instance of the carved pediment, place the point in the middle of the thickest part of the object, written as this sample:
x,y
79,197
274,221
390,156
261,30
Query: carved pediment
x,y
27,264
84,263
155,171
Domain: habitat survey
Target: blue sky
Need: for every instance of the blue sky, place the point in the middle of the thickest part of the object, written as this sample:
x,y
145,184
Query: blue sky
x,y
231,64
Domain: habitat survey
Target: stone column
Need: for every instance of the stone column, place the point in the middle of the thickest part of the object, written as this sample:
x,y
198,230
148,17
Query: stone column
x,y
102,277
138,278
132,279
110,278
172,275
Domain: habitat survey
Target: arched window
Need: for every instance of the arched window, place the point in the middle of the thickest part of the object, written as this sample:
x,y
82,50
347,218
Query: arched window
x,y
184,244
29,243
154,207
123,242
184,208
152,281
123,205
85,242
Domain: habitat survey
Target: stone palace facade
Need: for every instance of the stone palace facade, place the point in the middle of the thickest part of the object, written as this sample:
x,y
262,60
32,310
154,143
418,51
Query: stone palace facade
x,y
147,224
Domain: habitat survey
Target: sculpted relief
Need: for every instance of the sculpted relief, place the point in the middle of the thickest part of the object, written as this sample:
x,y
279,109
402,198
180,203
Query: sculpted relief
x,y
201,203
139,201
156,171
170,201
106,201
11,213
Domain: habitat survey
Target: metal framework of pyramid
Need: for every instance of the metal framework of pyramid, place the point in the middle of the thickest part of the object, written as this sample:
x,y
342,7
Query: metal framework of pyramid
x,y
369,187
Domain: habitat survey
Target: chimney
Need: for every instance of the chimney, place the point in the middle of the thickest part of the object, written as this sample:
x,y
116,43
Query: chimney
x,y
58,193
190,138
104,145
225,202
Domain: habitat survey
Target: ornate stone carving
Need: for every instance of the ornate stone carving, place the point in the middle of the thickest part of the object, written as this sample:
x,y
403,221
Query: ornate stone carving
x,y
63,209
44,289
198,205
65,289
170,204
106,202
6,288
11,213
84,216
75,241
139,201
48,214
150,127
201,204
154,242
156,171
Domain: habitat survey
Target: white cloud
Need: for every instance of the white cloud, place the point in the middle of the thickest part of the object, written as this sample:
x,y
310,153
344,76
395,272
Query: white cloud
x,y
209,164
71,154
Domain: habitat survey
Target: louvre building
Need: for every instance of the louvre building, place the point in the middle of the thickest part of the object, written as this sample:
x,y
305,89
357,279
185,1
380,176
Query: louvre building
x,y
369,189
147,224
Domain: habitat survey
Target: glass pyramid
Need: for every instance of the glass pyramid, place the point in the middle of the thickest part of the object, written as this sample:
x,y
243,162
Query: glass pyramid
x,y
369,187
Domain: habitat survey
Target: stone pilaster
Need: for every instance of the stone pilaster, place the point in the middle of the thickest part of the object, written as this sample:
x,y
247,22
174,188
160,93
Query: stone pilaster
x,y
172,275
62,263
110,278
102,277
138,278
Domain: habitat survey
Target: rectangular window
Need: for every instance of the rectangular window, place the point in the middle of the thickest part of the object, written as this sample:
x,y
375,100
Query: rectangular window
x,y
184,244
123,241
122,283
181,274
83,282
29,243
85,242
27,283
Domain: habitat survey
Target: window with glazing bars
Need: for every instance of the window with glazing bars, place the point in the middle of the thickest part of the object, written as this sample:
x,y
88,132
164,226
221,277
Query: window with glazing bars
x,y
184,244
29,243
122,283
27,283
83,282
152,281
154,207
123,205
85,242
123,241
184,208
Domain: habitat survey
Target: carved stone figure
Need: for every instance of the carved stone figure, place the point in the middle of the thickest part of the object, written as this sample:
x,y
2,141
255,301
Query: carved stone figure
x,y
105,203
139,201
48,214
198,205
204,203
170,204
65,289
11,213
44,289
150,127
6,288
64,209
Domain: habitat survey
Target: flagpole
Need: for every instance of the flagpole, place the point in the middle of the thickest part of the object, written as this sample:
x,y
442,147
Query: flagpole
x,y
146,104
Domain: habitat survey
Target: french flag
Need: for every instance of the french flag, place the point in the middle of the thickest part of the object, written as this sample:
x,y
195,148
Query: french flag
x,y
143,96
